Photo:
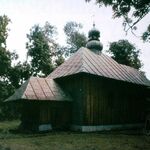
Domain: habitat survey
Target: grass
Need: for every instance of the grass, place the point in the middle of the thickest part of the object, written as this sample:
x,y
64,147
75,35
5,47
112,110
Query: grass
x,y
70,140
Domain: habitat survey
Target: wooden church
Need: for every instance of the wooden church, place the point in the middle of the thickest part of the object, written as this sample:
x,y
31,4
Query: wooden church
x,y
88,92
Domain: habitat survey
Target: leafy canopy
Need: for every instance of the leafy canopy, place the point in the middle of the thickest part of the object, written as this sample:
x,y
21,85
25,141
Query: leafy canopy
x,y
125,53
41,47
146,35
75,39
132,11
5,56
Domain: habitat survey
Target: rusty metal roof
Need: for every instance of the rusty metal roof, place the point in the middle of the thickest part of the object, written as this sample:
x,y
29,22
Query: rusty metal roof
x,y
40,89
102,65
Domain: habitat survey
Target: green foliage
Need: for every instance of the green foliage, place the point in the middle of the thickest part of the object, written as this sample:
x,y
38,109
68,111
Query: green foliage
x,y
4,21
125,53
6,89
41,48
59,61
146,35
10,77
123,7
5,59
131,10
75,39
19,73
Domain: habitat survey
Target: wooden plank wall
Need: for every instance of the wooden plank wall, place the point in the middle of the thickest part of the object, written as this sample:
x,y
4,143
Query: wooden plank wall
x,y
102,101
30,115
35,113
58,114
74,86
112,102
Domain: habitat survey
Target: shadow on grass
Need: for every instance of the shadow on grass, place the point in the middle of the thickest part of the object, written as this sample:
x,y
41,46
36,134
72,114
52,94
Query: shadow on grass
x,y
4,148
17,133
10,130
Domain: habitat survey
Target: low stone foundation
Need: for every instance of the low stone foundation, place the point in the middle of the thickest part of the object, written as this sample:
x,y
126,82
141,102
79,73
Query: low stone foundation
x,y
105,127
45,127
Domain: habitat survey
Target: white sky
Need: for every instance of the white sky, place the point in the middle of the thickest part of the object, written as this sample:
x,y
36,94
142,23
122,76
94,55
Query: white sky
x,y
26,13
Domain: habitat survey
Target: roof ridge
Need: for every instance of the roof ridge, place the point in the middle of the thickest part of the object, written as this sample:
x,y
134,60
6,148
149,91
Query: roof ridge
x,y
82,68
77,55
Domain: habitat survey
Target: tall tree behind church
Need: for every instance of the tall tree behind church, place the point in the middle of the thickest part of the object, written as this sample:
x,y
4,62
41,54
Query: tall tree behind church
x,y
41,47
74,38
125,53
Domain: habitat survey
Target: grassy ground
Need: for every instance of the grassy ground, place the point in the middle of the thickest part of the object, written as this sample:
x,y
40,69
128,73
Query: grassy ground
x,y
70,140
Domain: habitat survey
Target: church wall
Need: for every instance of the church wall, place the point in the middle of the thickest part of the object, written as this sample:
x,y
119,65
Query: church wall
x,y
110,102
29,115
74,86
46,115
57,113
100,101
97,102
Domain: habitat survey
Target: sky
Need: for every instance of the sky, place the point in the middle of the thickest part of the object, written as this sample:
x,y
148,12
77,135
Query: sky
x,y
26,13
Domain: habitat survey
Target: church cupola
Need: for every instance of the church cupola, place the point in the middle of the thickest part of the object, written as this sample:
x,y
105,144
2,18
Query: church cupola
x,y
94,43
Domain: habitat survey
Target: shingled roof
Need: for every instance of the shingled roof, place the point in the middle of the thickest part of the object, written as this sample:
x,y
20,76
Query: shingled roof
x,y
102,65
40,89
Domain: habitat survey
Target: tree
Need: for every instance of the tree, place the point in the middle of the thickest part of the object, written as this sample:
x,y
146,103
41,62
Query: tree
x,y
4,21
5,61
41,48
11,76
125,53
146,35
132,11
75,39
5,64
5,56
19,73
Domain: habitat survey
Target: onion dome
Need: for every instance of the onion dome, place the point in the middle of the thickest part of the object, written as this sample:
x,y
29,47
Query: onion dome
x,y
94,43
